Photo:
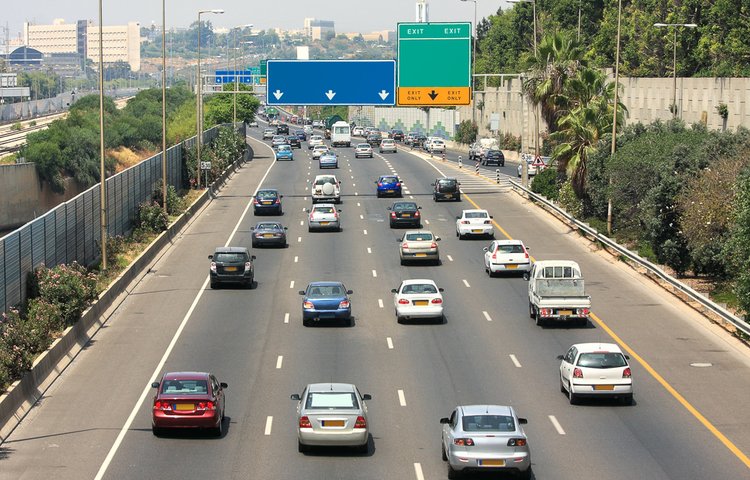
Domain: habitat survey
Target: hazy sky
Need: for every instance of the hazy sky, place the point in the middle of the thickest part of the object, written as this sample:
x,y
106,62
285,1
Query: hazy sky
x,y
349,15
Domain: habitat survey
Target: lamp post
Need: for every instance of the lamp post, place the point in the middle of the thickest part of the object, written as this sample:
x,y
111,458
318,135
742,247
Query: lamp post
x,y
164,105
674,58
614,116
102,174
473,64
199,98
236,85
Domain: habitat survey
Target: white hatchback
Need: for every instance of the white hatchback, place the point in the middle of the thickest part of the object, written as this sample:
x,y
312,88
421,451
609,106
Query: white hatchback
x,y
596,370
419,298
318,151
506,256
314,141
474,223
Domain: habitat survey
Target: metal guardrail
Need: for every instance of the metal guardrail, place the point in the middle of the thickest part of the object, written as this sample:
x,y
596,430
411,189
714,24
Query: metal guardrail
x,y
713,307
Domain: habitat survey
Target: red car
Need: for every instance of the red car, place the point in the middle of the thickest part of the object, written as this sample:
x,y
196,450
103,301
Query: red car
x,y
188,400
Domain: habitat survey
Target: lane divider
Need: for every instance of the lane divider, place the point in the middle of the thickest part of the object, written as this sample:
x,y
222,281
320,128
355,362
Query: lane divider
x,y
389,341
286,318
401,398
487,316
556,424
269,425
279,361
515,360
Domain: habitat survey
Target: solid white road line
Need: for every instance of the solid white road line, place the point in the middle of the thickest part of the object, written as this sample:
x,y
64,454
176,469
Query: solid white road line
x,y
487,316
269,424
374,273
369,250
291,284
515,360
450,259
556,424
389,341
380,302
401,398
148,388
418,471
467,284
286,318
279,361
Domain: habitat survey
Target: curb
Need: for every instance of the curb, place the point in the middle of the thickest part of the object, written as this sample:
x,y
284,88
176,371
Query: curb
x,y
23,394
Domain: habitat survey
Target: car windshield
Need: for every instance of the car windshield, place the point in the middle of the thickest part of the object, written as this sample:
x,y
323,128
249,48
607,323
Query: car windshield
x,y
324,180
419,237
387,141
285,148
323,210
317,291
388,180
331,400
184,387
268,226
488,423
601,360
266,194
229,257
475,214
510,249
419,288
404,206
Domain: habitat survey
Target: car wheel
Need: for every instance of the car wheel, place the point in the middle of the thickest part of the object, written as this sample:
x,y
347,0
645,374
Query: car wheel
x,y
540,322
214,285
562,386
442,452
531,311
363,448
158,432
502,165
255,244
525,475
302,448
305,322
453,474
627,399
219,431
572,397
490,273
392,225
309,229
403,262
349,322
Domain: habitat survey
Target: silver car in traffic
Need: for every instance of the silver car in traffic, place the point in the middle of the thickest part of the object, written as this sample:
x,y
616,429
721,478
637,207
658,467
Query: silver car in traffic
x,y
332,414
324,216
419,246
485,438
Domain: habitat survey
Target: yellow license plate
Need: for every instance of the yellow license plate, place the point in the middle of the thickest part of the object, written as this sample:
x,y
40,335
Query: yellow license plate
x,y
406,215
448,195
492,463
324,223
230,269
420,255
267,203
604,387
184,407
332,423
268,235
565,312
476,230
511,267
421,303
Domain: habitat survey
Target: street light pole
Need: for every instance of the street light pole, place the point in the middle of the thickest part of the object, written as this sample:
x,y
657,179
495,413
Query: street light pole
x,y
102,174
473,65
163,106
199,97
236,83
614,117
579,19
674,59
536,54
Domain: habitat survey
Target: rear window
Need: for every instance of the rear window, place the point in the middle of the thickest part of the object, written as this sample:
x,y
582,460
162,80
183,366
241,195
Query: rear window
x,y
404,206
285,148
325,291
601,360
419,237
488,423
229,257
560,272
341,130
184,387
389,180
475,215
363,145
331,400
510,249
324,180
269,226
266,194
419,288
447,183
323,210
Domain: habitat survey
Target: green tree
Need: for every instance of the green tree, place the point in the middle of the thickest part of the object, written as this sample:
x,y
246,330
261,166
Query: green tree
x,y
738,247
220,107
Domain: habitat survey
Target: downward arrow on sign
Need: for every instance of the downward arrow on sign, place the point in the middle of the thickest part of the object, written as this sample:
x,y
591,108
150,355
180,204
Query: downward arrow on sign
x,y
330,94
432,95
278,94
383,94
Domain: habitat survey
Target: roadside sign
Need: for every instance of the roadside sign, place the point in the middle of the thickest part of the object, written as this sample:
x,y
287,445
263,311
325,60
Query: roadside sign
x,y
331,82
263,67
205,165
427,79
243,76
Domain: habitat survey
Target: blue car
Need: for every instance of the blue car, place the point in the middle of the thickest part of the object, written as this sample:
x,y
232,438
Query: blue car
x,y
328,160
284,152
326,301
301,135
389,185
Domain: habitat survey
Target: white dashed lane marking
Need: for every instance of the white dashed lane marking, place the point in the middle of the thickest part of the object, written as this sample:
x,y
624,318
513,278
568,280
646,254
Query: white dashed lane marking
x,y
365,231
556,424
291,284
467,284
286,318
279,361
418,471
515,360
487,316
296,259
450,259
369,250
269,424
380,302
361,217
389,341
401,398
374,273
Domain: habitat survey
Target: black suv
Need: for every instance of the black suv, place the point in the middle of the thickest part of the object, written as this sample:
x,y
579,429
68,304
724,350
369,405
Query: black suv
x,y
397,135
446,189
374,139
282,129
232,265
494,157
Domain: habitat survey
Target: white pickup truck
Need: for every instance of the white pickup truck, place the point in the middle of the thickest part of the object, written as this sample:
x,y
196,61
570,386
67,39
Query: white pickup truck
x,y
557,293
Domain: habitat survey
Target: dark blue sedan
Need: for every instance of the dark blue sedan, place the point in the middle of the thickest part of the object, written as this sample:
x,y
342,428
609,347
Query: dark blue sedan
x,y
301,135
267,200
326,301
389,185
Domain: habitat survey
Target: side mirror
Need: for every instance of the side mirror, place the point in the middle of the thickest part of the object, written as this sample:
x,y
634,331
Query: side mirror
x,y
432,184
210,257
252,228
339,210
437,239
491,216
527,248
419,208
441,289
224,385
349,292
559,357
627,357
281,196
394,290
445,420
366,396
286,228
526,276
389,208
458,218
295,396
523,421
252,257
485,249
155,385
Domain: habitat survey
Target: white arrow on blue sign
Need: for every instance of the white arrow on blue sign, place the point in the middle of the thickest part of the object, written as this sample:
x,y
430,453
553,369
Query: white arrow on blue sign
x,y
331,82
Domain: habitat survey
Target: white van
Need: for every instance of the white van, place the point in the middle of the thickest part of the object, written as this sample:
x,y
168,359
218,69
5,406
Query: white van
x,y
341,134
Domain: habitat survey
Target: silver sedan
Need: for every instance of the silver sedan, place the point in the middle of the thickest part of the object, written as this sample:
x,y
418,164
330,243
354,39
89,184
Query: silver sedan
x,y
324,216
332,414
419,245
485,438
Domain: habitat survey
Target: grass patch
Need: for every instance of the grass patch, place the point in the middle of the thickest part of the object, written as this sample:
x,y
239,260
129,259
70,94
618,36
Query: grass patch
x,y
723,293
9,159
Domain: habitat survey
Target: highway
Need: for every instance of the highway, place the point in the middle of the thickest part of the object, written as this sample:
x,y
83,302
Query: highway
x,y
94,422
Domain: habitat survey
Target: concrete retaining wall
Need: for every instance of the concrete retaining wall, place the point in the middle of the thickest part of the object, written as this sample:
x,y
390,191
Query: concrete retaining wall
x,y
437,122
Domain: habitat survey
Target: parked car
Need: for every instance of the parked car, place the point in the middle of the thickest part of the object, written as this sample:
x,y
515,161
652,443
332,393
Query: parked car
x,y
326,301
388,185
419,246
324,216
388,145
506,256
494,157
332,414
596,370
267,200
269,233
284,152
485,438
188,400
446,189
363,150
405,213
419,298
231,265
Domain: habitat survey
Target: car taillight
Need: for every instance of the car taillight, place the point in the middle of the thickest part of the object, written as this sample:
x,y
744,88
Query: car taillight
x,y
203,406
464,222
278,201
255,201
304,422
361,422
393,214
582,312
416,214
437,301
380,184
164,406
517,442
335,215
213,266
344,304
488,222
248,266
626,372
545,312
404,245
398,184
403,301
308,305
577,373
463,442
494,256
526,253
434,245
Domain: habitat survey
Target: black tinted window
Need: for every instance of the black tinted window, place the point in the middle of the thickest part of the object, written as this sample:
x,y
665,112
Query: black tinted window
x,y
229,257
266,194
404,206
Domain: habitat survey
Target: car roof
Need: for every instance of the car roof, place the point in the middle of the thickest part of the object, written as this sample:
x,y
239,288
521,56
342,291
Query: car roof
x,y
274,190
404,202
364,145
486,410
509,242
267,223
185,376
230,250
419,231
325,284
318,205
325,176
390,175
331,387
556,263
446,178
472,210
597,347
419,281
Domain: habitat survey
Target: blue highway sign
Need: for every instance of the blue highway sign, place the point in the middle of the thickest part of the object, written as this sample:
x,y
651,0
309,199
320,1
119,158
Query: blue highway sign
x,y
331,82
242,76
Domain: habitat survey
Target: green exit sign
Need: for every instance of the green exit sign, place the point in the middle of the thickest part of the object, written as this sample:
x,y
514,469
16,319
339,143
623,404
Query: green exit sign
x,y
263,67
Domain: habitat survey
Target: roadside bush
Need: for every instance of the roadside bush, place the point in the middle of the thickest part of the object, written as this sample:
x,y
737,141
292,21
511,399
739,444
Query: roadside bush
x,y
70,287
738,247
509,141
568,199
43,318
175,203
16,126
151,218
15,357
467,132
545,183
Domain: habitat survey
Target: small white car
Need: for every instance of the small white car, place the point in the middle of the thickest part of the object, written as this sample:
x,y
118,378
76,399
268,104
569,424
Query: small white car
x,y
474,223
252,123
308,129
388,145
506,256
436,146
420,298
596,370
324,216
314,141
269,133
318,151
363,150
358,131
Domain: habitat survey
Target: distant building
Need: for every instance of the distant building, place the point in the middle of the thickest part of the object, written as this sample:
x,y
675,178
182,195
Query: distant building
x,y
381,36
319,29
120,43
